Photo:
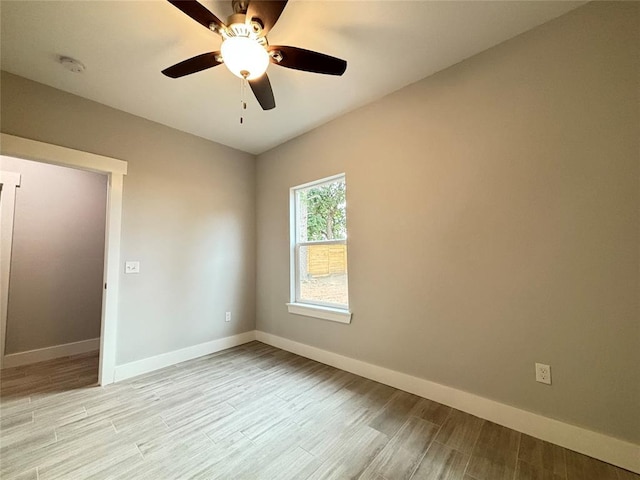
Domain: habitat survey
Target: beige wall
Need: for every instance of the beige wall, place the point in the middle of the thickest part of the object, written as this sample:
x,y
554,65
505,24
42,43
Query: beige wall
x,y
55,294
507,186
188,217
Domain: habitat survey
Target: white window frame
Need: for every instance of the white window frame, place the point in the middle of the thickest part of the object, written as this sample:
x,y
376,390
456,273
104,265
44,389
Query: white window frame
x,y
297,306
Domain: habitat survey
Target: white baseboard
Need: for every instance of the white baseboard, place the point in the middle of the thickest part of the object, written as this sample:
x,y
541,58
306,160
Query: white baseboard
x,y
49,353
150,364
603,447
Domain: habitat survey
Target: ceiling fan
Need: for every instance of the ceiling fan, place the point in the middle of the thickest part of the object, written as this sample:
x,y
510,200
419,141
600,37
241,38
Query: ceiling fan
x,y
245,49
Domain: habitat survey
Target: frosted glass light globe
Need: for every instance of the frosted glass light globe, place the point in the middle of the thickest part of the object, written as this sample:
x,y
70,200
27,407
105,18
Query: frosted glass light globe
x,y
243,54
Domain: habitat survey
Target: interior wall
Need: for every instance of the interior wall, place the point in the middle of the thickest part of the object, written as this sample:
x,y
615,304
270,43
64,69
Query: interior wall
x,y
493,217
188,217
57,259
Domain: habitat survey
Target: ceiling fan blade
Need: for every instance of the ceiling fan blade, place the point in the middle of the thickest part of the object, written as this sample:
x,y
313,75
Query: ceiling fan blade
x,y
266,11
301,59
198,12
193,65
261,87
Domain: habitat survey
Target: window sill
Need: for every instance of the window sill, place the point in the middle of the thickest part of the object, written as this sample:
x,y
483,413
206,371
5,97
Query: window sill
x,y
325,313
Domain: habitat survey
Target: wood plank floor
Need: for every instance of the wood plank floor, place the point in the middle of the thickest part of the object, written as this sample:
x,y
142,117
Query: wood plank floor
x,y
255,412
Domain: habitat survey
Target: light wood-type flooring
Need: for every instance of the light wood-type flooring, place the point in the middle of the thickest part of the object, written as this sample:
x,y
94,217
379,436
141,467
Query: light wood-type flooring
x,y
255,412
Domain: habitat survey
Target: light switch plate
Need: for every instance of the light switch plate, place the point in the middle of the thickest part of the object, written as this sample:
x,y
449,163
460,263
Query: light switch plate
x,y
132,267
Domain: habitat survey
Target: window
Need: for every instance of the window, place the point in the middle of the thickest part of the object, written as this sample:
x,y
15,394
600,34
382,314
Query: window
x,y
319,279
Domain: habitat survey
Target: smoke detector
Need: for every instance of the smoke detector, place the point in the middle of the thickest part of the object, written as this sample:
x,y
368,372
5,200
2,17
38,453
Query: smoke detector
x,y
71,64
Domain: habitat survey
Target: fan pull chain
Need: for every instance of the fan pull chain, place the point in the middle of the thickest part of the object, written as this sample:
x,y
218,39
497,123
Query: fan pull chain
x,y
243,96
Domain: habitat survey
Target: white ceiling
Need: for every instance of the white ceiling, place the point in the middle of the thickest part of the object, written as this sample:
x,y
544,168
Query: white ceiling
x,y
125,45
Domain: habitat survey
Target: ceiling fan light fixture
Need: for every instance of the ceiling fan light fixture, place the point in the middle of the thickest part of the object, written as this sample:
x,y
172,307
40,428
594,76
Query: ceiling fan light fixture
x,y
244,57
245,49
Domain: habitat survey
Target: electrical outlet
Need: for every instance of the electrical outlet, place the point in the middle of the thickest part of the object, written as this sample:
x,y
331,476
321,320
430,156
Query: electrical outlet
x,y
543,373
227,317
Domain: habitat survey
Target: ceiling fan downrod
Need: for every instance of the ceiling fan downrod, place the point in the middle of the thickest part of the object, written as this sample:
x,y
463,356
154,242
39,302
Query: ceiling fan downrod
x,y
240,6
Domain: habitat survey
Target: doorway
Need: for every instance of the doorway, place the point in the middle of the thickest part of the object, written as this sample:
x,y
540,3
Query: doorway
x,y
57,260
115,170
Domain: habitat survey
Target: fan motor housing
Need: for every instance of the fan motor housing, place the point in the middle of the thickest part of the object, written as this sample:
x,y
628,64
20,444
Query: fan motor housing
x,y
238,26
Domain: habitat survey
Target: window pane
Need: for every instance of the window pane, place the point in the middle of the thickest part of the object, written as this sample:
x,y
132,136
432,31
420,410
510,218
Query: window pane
x,y
322,273
321,212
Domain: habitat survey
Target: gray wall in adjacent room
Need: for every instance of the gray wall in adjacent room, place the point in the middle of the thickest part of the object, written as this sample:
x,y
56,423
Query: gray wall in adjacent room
x,y
57,259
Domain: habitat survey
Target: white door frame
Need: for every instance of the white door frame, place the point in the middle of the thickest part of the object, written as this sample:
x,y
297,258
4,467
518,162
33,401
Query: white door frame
x,y
19,147
9,181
